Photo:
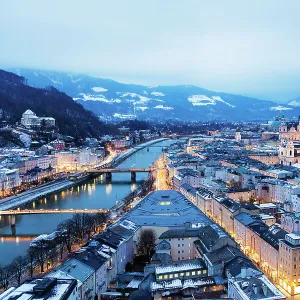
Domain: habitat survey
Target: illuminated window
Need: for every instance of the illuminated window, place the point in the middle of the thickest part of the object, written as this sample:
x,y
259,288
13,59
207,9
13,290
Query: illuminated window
x,y
165,202
204,271
160,277
187,273
198,272
193,273
181,274
171,276
175,275
165,276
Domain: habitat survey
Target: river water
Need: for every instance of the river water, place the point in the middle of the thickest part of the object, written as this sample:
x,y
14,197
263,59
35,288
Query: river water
x,y
94,193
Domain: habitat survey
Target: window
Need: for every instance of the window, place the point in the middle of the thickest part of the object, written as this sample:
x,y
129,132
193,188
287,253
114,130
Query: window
x,y
160,277
182,251
178,245
190,245
187,273
178,252
182,245
176,275
170,276
204,271
193,273
190,251
165,276
181,274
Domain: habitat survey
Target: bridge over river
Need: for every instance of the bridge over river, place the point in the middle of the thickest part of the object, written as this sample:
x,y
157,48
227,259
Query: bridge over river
x,y
108,172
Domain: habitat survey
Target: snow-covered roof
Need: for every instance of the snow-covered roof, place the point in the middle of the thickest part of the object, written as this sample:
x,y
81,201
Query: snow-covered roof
x,y
134,283
178,284
178,267
28,112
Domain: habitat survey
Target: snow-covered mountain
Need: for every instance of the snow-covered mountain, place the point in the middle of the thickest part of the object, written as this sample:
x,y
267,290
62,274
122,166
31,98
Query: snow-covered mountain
x,y
295,102
110,99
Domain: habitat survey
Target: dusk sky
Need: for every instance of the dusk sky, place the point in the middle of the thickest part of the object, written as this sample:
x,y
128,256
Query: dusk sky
x,y
243,47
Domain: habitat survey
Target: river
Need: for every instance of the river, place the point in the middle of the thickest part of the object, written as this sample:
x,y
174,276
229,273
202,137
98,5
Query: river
x,y
94,193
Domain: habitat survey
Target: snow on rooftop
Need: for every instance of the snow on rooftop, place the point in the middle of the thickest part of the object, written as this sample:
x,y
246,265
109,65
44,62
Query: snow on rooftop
x,y
178,267
177,284
134,283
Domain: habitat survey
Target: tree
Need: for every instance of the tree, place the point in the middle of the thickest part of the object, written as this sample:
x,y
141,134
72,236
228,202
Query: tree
x,y
79,223
18,266
5,273
101,218
31,258
66,229
146,242
40,251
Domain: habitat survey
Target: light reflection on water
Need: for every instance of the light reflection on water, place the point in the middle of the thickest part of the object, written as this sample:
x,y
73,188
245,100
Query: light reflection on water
x,y
94,193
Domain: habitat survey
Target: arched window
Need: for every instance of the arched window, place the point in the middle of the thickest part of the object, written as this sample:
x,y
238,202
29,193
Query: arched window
x,y
290,152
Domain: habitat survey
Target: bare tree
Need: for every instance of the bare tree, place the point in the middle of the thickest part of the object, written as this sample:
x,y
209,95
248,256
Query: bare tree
x,y
18,266
5,274
89,224
146,242
79,221
66,229
41,253
30,259
101,218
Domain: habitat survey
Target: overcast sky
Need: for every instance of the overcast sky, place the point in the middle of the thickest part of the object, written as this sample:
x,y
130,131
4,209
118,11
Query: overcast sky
x,y
249,47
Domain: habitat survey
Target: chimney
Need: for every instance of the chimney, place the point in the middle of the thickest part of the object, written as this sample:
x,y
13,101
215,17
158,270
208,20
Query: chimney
x,y
255,289
243,272
265,289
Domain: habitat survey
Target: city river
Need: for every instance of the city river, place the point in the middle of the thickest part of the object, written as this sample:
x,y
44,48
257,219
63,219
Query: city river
x,y
94,193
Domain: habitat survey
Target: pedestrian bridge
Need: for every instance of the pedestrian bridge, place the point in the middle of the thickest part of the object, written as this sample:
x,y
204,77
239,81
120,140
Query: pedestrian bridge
x,y
51,211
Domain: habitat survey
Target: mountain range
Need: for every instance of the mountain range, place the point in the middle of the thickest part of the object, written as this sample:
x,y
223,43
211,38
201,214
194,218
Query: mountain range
x,y
110,99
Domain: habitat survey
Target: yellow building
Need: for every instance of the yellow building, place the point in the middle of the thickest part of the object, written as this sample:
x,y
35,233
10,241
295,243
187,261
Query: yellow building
x,y
289,263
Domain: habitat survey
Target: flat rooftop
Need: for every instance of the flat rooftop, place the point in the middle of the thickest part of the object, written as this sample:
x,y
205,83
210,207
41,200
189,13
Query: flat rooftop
x,y
166,209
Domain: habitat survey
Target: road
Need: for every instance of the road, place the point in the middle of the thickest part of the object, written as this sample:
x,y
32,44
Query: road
x,y
161,175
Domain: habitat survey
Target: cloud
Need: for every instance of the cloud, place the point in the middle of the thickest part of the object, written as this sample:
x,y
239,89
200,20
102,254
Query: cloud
x,y
250,47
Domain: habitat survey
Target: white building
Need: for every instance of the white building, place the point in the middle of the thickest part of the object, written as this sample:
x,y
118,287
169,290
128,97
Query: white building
x,y
30,119
247,288
9,179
